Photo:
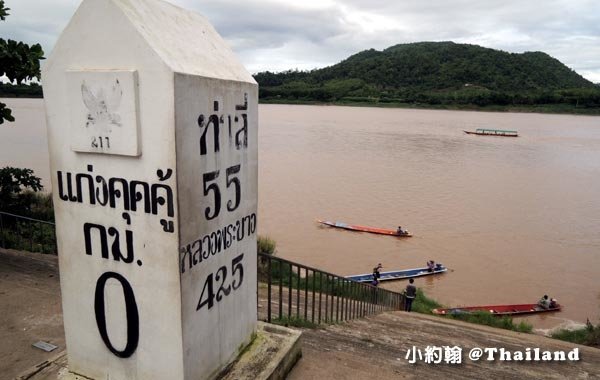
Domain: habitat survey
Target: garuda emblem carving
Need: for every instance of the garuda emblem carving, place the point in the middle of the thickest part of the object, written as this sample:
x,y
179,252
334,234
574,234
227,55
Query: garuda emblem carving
x,y
102,106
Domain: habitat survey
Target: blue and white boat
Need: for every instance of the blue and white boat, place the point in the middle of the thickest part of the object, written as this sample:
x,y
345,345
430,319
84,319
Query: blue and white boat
x,y
399,274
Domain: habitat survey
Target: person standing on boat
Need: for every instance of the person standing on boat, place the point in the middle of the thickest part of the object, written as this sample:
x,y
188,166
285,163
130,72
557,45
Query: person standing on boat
x,y
377,273
409,295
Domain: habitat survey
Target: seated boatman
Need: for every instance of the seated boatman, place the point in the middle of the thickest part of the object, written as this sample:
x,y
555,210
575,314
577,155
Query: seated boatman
x,y
544,303
430,266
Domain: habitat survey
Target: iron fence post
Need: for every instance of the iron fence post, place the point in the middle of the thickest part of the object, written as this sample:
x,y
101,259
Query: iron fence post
x,y
18,229
269,282
326,298
337,300
280,281
332,298
306,293
30,237
320,293
290,292
2,231
298,294
41,229
313,297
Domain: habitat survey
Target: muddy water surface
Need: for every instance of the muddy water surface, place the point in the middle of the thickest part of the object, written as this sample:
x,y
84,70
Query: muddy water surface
x,y
513,218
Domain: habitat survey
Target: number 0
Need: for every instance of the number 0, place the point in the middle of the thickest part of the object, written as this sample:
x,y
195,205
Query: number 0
x,y
133,320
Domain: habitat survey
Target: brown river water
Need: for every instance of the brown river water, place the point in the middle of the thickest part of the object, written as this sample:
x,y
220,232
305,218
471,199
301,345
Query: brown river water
x,y
513,218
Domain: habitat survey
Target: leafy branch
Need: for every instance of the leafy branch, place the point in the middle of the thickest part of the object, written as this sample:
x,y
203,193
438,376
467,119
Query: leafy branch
x,y
18,61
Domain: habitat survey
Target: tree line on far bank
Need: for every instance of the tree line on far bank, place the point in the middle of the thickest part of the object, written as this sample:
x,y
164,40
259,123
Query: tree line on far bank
x,y
32,90
355,92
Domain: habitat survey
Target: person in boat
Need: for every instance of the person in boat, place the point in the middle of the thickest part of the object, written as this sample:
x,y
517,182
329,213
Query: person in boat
x,y
400,231
430,266
553,303
377,272
410,293
544,302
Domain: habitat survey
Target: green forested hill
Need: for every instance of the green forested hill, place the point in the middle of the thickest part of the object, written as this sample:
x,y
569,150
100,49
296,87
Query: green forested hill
x,y
436,73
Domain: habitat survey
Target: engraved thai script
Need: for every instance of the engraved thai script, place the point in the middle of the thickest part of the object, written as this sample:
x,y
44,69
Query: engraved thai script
x,y
155,198
216,242
237,123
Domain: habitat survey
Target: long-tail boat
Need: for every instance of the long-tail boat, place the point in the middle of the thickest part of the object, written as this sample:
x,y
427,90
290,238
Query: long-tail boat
x,y
399,274
373,230
498,309
493,132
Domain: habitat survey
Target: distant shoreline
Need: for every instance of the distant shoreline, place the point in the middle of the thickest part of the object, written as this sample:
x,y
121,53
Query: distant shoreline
x,y
562,109
18,96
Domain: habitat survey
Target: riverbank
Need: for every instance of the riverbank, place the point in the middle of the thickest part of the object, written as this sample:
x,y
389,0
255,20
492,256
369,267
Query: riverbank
x,y
558,109
30,305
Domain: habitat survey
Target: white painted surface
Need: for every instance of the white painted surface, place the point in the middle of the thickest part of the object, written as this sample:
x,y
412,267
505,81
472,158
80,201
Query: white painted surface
x,y
188,43
175,341
232,266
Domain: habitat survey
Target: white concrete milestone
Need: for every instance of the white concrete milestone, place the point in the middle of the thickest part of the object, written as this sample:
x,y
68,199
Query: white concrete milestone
x,y
152,129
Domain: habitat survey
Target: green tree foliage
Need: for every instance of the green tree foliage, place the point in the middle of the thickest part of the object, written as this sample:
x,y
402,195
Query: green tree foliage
x,y
436,73
266,245
14,186
18,61
589,335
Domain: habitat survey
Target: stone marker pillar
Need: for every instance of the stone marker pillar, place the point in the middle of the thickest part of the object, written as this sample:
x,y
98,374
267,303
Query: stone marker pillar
x,y
152,128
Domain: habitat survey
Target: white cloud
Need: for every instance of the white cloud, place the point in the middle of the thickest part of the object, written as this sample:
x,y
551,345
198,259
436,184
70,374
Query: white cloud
x,y
277,35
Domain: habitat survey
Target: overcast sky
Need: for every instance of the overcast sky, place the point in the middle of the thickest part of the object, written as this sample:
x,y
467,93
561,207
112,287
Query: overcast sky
x,y
306,34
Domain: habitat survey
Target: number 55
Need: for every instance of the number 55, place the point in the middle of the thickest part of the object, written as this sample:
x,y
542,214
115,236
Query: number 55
x,y
231,171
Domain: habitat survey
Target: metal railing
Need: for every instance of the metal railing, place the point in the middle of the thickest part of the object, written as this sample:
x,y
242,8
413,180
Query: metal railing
x,y
22,233
296,291
293,291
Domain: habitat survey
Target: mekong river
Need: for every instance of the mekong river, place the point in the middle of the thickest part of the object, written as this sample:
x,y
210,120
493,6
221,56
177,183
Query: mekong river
x,y
513,218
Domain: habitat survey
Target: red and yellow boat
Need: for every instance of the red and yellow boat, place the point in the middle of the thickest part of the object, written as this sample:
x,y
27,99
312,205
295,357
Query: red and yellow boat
x,y
497,309
373,230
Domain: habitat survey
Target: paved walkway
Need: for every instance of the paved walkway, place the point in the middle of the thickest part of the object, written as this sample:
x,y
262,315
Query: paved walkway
x,y
362,349
30,310
378,345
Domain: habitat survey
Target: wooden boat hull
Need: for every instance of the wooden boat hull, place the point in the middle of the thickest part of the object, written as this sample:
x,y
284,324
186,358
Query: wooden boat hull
x,y
497,309
373,230
398,275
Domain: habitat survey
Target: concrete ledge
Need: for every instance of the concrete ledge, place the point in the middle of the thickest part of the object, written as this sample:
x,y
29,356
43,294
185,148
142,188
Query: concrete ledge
x,y
270,356
50,369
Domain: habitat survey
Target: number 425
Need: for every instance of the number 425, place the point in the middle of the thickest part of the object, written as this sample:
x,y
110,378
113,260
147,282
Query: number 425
x,y
208,296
